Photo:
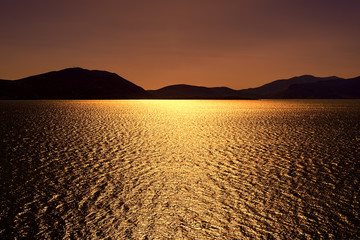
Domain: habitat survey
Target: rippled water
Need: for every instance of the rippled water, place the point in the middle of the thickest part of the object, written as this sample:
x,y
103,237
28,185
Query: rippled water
x,y
180,169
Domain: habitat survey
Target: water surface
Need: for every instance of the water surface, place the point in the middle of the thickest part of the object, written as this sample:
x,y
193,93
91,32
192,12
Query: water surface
x,y
180,169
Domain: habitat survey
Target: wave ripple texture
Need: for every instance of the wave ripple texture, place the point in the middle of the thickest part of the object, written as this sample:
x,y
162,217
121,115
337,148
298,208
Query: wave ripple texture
x,y
180,169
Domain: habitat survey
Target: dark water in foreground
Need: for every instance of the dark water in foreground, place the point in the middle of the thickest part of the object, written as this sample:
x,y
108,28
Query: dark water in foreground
x,y
180,169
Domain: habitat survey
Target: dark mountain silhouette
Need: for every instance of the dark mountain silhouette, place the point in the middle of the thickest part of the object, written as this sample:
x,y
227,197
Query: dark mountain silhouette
x,y
273,89
11,90
78,83
305,86
335,88
72,83
182,91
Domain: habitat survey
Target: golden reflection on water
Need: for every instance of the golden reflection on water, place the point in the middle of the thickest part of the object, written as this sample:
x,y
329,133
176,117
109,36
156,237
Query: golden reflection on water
x,y
182,190
183,169
193,152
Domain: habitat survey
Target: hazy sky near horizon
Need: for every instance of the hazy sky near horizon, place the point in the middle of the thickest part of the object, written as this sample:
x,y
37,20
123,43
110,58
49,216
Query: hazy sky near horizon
x,y
154,43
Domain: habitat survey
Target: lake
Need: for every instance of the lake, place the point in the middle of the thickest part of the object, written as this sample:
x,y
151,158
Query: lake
x,y
180,169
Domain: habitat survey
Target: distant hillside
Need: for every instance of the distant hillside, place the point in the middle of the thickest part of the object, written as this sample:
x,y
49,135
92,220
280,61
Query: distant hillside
x,y
183,91
72,83
305,86
334,89
275,88
78,83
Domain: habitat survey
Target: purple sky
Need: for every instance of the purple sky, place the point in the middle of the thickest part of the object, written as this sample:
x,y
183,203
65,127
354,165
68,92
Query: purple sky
x,y
154,43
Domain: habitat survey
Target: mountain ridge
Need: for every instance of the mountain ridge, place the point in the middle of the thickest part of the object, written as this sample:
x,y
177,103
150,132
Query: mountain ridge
x,y
326,89
79,83
277,89
274,88
72,83
183,91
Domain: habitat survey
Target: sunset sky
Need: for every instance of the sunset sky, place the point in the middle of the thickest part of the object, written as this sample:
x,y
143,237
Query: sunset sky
x,y
154,43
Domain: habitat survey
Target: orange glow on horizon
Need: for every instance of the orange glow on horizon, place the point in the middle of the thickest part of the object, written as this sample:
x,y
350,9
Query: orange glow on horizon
x,y
238,44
